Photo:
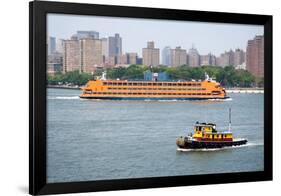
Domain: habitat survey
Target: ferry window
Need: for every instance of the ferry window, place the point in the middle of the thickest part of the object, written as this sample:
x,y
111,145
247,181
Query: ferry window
x,y
124,84
165,84
174,84
130,84
189,84
109,83
159,84
180,84
105,83
135,84
184,84
149,84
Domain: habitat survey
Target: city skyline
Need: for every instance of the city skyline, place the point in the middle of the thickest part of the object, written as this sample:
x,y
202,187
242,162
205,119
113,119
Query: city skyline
x,y
207,37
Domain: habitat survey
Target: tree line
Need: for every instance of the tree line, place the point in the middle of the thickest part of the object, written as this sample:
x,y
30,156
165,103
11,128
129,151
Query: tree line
x,y
228,76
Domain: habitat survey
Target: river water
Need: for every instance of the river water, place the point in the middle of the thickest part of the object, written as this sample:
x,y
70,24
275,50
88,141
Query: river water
x,y
97,139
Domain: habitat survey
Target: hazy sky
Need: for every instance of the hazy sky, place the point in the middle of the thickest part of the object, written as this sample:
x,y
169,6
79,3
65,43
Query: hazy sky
x,y
206,37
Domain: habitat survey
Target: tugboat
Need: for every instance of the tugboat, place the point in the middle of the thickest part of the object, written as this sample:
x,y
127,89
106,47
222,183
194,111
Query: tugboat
x,y
206,136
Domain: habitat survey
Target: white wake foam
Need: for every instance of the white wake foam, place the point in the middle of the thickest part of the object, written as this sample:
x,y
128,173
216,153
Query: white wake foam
x,y
227,99
217,149
58,97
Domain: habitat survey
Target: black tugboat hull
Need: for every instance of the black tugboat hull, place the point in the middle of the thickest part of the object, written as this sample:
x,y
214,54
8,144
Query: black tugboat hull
x,y
192,144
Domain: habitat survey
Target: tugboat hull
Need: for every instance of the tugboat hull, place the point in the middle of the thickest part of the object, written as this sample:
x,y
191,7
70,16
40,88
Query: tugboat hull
x,y
186,143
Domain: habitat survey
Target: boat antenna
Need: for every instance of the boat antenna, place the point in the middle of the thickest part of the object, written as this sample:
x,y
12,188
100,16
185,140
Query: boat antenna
x,y
229,124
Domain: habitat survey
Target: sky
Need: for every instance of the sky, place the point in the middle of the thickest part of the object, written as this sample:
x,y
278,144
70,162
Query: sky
x,y
205,37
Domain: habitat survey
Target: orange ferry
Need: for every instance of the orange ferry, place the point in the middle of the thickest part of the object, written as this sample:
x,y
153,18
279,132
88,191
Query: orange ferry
x,y
153,90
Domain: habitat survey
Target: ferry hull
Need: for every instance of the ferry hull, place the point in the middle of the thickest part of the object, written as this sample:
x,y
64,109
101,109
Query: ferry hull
x,y
193,144
155,98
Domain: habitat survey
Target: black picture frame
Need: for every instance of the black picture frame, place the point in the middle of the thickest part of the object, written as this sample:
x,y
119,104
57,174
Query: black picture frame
x,y
37,97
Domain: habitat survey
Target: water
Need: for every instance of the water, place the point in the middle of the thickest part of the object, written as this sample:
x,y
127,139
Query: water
x,y
98,140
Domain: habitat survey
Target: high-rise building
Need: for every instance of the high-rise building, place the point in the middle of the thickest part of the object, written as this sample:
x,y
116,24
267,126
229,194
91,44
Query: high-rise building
x,y
226,58
166,55
59,46
231,57
255,56
178,56
208,59
71,56
115,46
139,61
193,57
90,54
122,59
51,45
132,58
213,60
104,45
223,59
239,57
54,63
110,61
150,54
85,34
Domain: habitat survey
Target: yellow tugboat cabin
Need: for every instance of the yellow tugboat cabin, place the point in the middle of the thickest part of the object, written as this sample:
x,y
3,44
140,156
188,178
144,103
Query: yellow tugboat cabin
x,y
208,132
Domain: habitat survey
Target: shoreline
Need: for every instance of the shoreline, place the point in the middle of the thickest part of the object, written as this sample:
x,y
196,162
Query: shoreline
x,y
228,90
65,87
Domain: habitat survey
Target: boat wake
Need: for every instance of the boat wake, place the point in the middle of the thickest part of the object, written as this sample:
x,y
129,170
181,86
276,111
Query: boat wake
x,y
218,149
182,100
69,98
223,100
